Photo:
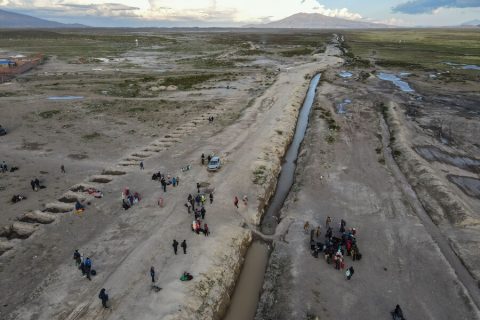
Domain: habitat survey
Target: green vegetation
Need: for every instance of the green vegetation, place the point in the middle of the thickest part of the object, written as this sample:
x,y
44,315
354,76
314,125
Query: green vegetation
x,y
416,48
187,82
327,116
49,114
91,136
213,63
74,44
296,52
259,175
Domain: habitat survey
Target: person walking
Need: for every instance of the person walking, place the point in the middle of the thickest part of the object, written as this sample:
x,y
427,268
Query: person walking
x,y
317,232
327,222
32,183
37,183
235,201
164,184
206,231
152,274
77,257
104,297
211,198
189,206
88,268
184,246
175,246
174,181
306,227
141,165
178,181
192,201
62,168
198,187
349,273
343,223
203,159
202,212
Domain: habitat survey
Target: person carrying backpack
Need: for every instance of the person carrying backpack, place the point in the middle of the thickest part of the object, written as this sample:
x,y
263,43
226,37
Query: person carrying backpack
x,y
88,267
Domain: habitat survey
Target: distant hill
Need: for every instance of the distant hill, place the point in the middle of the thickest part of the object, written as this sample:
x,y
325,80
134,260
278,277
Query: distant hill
x,y
19,21
317,21
472,23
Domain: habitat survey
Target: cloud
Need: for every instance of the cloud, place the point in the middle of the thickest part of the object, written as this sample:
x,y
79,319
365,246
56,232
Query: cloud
x,y
429,6
202,12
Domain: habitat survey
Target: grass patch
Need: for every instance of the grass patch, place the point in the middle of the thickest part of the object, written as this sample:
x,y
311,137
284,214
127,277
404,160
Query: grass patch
x,y
330,139
137,109
416,48
49,114
296,52
213,63
91,136
187,82
259,175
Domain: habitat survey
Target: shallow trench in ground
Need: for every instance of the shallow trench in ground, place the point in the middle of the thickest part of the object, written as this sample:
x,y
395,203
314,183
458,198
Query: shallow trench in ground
x,y
247,291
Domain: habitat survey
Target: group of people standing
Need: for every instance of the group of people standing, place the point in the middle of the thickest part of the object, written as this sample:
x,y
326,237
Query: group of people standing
x,y
129,198
84,264
197,205
35,184
335,247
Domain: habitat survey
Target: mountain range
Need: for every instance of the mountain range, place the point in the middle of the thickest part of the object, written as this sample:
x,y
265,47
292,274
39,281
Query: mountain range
x,y
317,21
16,20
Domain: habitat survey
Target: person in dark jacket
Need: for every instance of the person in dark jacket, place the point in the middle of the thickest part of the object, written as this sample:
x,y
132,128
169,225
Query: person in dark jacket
x,y
32,183
184,246
175,246
77,257
152,274
104,297
397,314
88,267
350,272
211,198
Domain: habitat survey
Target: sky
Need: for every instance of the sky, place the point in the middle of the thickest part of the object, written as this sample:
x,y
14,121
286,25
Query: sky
x,y
232,13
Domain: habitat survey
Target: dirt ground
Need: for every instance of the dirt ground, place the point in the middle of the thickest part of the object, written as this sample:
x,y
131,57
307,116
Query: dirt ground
x,y
151,104
124,244
344,173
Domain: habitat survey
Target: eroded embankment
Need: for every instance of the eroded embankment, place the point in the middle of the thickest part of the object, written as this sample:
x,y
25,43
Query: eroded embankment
x,y
444,208
278,180
214,288
267,167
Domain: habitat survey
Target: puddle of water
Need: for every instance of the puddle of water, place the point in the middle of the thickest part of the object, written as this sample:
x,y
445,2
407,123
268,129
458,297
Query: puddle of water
x,y
469,185
249,284
402,85
345,74
435,154
471,67
463,66
341,107
65,97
